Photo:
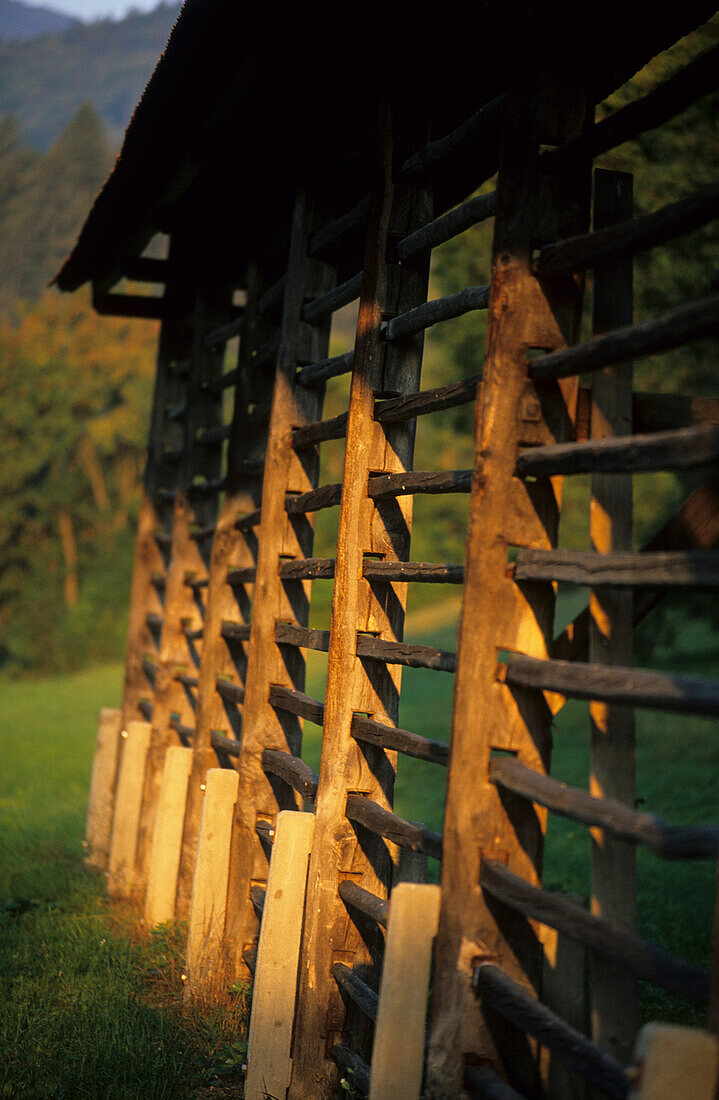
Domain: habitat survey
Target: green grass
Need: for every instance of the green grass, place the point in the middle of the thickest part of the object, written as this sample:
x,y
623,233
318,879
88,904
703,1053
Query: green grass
x,y
92,1007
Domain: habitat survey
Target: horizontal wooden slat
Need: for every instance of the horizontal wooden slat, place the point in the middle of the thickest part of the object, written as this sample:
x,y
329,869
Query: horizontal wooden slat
x,y
631,237
246,523
145,709
333,300
185,733
249,957
623,686
196,583
675,569
207,436
201,533
186,680
257,897
352,1066
313,501
193,634
389,737
386,486
149,667
483,1084
224,333
237,577
154,622
369,904
235,632
423,572
668,841
450,225
225,381
513,1002
296,702
432,313
614,940
692,321
208,487
661,412
177,412
293,770
320,431
482,126
428,401
266,353
231,693
168,496
266,832
325,369
163,538
405,653
336,232
272,297
682,449
292,634
144,269
222,744
357,990
307,569
363,811
180,368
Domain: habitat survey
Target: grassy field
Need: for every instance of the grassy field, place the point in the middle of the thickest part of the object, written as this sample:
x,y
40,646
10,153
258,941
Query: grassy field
x,y
92,1007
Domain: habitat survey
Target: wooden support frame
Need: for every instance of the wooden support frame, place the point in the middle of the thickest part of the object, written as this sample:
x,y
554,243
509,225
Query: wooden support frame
x,y
524,313
396,209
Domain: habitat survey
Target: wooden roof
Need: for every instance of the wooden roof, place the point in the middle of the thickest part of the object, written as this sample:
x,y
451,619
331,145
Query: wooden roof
x,y
249,101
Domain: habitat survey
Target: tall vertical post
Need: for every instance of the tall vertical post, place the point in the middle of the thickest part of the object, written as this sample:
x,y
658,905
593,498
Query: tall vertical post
x,y
353,684
280,536
615,1000
525,313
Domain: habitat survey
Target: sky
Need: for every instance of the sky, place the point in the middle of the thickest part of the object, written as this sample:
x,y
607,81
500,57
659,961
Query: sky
x,y
88,10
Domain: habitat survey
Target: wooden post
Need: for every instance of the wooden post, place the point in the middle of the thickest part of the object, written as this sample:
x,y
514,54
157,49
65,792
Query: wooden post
x,y
280,536
126,818
524,313
205,970
273,996
565,989
399,1038
615,996
102,790
167,837
161,472
179,653
353,684
236,550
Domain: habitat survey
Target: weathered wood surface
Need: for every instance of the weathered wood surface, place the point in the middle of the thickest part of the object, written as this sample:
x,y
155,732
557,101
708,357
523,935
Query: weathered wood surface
x,y
673,569
387,486
405,653
357,990
224,746
390,737
693,321
248,521
264,725
482,1083
291,634
523,1010
334,299
369,904
293,770
335,428
273,297
379,367
419,404
644,959
376,819
630,236
307,569
523,313
681,449
469,213
325,368
352,1067
669,841
661,104
612,684
481,128
328,496
423,572
695,524
434,312
336,232
296,702
233,558
140,306
103,783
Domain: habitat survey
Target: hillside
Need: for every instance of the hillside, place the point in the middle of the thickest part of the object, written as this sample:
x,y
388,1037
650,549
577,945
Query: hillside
x,y
19,22
45,80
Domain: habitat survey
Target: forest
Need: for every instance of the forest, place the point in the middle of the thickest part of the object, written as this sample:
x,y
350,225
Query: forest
x,y
75,389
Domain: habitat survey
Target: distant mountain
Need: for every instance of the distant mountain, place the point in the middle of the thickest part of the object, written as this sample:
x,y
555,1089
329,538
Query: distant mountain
x,y
45,80
19,22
